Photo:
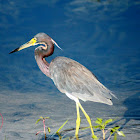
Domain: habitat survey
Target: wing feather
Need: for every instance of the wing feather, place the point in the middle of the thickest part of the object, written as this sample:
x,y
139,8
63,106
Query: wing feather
x,y
71,77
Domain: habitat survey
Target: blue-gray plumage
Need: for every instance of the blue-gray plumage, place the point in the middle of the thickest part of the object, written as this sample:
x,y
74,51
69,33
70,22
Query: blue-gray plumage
x,y
69,76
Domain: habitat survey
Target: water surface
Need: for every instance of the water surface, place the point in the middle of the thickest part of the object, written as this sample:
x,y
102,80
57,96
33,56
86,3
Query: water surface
x,y
102,35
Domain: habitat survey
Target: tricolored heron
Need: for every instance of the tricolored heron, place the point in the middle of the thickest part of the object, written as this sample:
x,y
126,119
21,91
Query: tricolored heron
x,y
69,76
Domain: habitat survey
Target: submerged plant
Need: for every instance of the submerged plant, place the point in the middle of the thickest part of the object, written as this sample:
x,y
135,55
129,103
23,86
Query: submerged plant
x,y
58,131
102,126
48,128
43,119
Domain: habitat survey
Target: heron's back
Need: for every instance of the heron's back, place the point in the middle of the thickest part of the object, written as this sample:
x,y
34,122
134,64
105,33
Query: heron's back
x,y
71,77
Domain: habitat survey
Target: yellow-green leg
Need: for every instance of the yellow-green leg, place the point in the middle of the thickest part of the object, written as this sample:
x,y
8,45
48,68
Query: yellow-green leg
x,y
87,117
78,120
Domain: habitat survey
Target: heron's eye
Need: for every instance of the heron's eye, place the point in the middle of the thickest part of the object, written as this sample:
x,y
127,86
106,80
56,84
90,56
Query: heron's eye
x,y
34,39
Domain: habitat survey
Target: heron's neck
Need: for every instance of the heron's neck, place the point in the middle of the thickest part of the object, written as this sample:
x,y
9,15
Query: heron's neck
x,y
43,64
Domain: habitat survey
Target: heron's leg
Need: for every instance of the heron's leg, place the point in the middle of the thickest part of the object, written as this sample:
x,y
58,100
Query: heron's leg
x,y
78,120
87,117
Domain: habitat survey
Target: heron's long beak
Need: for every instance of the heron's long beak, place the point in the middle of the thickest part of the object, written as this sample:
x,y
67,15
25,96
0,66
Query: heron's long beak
x,y
32,42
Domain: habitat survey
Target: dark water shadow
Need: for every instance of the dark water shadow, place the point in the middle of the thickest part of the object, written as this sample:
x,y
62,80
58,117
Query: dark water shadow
x,y
132,103
54,137
133,108
68,134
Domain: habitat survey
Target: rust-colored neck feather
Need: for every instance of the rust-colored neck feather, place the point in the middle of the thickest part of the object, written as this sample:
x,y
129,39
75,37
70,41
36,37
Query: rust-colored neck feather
x,y
40,53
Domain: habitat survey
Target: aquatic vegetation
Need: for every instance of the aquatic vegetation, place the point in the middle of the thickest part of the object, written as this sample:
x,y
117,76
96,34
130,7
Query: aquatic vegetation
x,y
102,126
57,132
43,119
48,128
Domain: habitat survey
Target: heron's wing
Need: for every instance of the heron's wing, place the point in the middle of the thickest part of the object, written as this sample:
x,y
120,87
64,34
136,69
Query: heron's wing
x,y
71,77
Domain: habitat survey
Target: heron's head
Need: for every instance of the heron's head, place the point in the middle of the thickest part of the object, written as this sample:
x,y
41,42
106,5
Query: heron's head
x,y
40,38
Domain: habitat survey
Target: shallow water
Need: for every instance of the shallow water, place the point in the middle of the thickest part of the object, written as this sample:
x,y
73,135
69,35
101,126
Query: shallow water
x,y
101,35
